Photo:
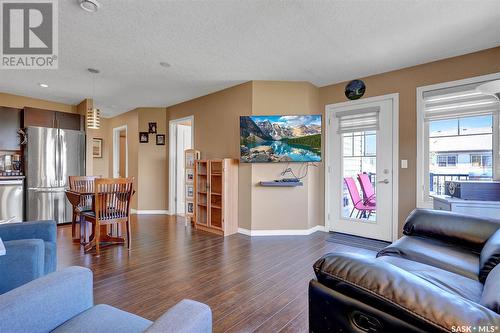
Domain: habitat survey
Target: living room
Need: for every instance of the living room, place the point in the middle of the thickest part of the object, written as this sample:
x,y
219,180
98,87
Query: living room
x,y
206,174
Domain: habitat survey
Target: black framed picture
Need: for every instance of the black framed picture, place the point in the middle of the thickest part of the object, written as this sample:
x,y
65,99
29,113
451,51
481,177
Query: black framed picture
x,y
97,148
160,139
152,128
190,208
143,137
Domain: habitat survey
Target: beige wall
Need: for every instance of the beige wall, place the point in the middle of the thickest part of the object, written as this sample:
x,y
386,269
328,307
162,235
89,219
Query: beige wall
x,y
216,119
216,133
100,166
304,207
284,207
152,162
405,82
19,102
131,120
216,128
147,162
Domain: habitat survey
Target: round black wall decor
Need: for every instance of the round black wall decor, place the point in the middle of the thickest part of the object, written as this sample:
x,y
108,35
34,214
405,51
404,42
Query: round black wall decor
x,y
355,89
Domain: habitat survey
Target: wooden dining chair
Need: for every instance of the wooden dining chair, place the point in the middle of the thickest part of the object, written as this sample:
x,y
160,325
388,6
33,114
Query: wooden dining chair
x,y
111,208
81,184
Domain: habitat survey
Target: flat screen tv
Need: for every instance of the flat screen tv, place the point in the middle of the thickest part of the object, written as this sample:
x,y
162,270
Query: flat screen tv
x,y
280,139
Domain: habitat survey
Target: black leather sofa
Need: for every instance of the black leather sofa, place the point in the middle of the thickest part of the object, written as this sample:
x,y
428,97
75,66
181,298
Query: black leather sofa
x,y
441,276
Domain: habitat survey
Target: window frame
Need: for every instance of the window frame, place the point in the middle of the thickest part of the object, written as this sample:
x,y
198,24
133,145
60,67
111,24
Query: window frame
x,y
446,160
483,160
423,198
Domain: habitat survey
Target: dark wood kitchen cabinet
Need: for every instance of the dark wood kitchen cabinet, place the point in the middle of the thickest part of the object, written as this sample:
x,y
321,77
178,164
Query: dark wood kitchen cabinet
x,y
71,121
38,117
10,122
53,119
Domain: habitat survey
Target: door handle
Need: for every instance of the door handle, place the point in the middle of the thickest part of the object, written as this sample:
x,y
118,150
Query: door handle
x,y
385,181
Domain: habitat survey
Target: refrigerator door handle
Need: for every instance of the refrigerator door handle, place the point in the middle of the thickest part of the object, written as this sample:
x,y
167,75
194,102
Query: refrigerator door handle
x,y
61,158
56,159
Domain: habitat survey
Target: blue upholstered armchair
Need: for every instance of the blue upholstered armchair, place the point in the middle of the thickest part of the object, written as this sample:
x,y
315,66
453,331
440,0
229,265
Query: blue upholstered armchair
x,y
63,302
31,252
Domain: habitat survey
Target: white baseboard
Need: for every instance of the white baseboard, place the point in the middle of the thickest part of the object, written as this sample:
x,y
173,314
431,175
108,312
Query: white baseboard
x,y
149,212
285,232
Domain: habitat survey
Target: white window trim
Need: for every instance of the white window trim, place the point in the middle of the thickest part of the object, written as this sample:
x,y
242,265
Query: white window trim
x,y
422,132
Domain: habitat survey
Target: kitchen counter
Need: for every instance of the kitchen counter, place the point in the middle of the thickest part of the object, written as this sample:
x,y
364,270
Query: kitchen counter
x,y
11,177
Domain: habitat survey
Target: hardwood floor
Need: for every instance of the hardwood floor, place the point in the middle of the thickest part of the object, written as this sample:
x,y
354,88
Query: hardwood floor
x,y
252,284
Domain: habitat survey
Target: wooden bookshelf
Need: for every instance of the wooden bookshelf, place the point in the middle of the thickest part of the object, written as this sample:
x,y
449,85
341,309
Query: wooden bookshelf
x,y
216,199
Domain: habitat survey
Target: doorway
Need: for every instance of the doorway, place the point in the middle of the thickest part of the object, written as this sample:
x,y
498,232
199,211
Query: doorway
x,y
120,152
181,135
362,167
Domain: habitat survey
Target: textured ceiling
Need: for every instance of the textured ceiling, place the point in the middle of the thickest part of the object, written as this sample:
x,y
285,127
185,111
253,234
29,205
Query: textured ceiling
x,y
216,44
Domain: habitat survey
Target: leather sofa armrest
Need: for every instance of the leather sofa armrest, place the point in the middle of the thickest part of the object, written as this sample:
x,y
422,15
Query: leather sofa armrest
x,y
462,230
490,256
46,303
388,287
186,316
45,230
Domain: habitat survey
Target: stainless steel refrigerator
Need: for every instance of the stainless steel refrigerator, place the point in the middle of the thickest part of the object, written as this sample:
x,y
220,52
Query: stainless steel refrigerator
x,y
51,156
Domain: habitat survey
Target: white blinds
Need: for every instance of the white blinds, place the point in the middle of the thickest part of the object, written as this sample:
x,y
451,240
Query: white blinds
x,y
460,101
359,120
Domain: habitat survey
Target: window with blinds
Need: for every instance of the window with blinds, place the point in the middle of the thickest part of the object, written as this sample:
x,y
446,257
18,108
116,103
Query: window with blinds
x,y
464,101
459,125
361,120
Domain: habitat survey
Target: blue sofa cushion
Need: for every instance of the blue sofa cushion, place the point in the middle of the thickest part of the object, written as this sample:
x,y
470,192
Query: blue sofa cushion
x,y
187,316
22,263
46,230
50,257
104,319
43,304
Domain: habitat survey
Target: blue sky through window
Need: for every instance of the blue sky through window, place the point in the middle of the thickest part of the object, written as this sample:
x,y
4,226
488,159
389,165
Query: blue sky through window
x,y
464,126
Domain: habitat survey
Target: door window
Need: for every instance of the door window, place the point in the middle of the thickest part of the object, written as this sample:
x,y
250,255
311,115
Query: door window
x,y
359,162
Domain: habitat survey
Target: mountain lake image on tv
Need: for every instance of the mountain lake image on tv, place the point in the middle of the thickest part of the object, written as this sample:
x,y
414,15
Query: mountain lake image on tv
x,y
280,138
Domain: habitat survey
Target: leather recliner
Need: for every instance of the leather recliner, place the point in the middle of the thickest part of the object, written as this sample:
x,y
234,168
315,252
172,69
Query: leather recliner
x,y
441,276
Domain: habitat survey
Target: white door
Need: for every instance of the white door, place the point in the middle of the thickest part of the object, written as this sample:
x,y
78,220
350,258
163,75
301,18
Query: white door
x,y
183,143
360,157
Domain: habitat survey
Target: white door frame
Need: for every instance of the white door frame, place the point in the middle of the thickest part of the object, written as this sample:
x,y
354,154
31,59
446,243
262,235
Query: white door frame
x,y
329,110
172,158
116,151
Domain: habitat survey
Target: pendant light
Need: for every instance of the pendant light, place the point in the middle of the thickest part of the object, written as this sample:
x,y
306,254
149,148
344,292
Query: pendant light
x,y
93,114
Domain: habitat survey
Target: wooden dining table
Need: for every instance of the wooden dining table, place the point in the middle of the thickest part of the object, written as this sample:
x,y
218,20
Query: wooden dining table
x,y
108,234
